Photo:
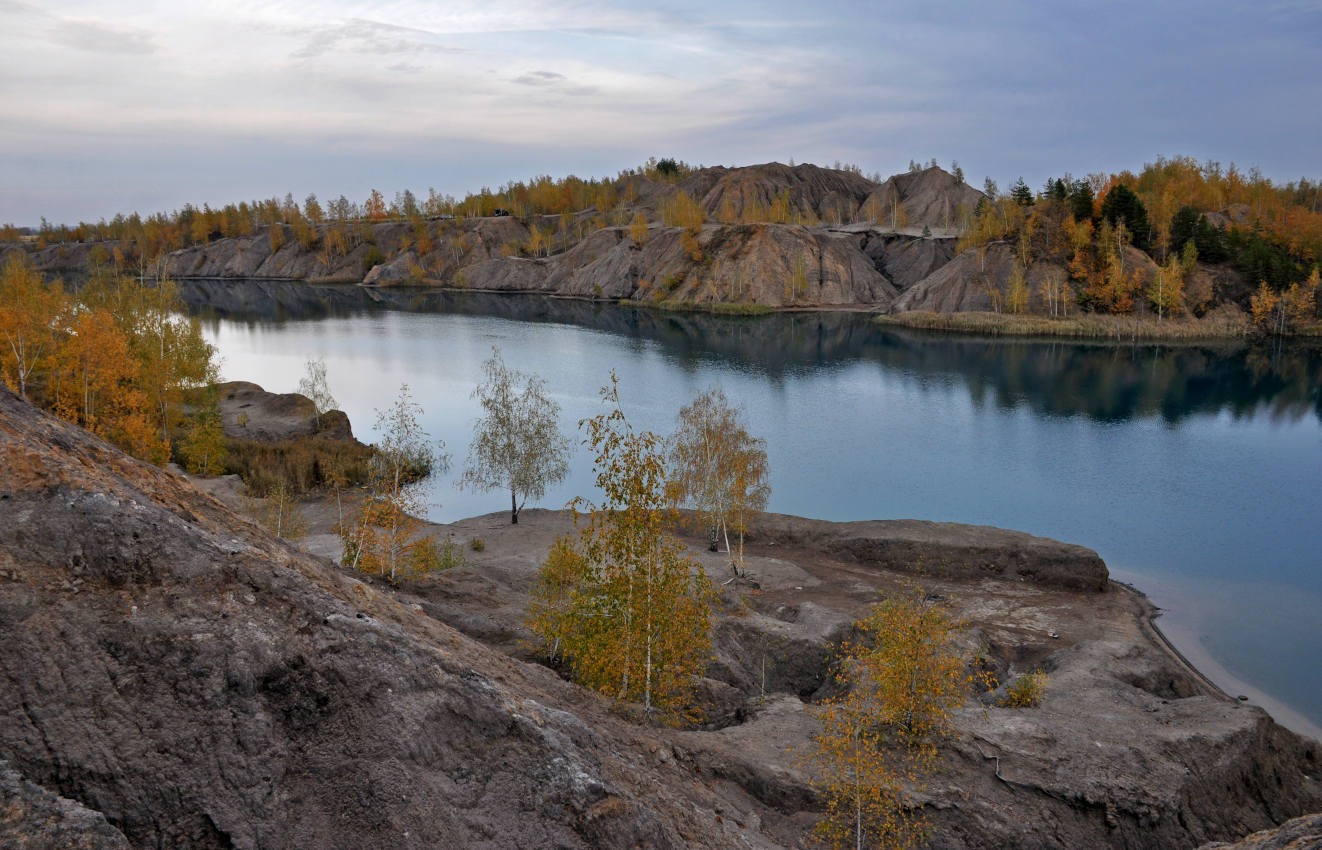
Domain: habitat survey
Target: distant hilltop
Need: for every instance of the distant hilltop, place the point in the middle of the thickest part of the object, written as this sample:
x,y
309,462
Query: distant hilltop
x,y
1179,239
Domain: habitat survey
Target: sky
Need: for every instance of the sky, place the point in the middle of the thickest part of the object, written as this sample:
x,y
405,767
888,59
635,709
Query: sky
x,y
114,106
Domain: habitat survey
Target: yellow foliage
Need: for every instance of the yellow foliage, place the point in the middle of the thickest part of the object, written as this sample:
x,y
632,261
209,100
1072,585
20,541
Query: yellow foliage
x,y
619,601
905,677
680,210
638,228
1026,691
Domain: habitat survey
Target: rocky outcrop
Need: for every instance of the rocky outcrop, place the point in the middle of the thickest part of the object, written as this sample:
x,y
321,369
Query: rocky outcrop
x,y
769,264
1302,833
32,818
944,550
200,684
1130,748
248,412
174,671
843,259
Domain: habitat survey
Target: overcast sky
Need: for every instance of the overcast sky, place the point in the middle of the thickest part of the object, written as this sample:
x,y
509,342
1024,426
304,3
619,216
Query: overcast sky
x,y
113,106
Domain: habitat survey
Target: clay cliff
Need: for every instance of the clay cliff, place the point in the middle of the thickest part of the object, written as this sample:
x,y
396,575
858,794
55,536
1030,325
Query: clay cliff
x,y
774,236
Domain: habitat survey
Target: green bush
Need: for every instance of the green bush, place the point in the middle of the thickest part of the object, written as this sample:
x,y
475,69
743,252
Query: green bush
x,y
478,544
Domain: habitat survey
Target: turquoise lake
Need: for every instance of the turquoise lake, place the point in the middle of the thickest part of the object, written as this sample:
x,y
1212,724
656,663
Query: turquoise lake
x,y
1194,470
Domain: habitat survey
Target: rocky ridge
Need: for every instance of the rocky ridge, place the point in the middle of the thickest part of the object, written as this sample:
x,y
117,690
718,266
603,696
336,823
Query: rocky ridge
x,y
850,254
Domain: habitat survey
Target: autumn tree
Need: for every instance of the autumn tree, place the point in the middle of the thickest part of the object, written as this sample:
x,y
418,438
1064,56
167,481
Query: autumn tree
x,y
625,608
28,315
375,208
718,468
517,444
1016,296
904,676
386,538
638,228
1166,288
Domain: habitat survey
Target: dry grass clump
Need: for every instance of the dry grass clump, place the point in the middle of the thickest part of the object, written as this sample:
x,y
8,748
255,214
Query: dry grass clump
x,y
1075,327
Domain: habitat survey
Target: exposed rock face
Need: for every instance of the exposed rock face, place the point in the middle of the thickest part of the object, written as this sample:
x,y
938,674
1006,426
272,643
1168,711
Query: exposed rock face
x,y
944,549
905,260
969,282
248,412
32,818
843,262
203,685
1302,833
770,264
173,669
1130,748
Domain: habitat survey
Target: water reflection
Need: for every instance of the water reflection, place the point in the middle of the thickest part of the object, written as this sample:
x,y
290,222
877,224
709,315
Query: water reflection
x,y
1108,382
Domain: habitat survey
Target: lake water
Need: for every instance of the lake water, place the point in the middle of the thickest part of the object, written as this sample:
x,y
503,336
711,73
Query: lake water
x,y
1195,471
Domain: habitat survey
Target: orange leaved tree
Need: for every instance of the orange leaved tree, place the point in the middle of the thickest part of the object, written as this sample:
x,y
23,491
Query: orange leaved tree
x,y
619,601
904,676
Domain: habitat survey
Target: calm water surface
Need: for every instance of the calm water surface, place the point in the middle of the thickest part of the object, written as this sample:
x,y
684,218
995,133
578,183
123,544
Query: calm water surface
x,y
1196,471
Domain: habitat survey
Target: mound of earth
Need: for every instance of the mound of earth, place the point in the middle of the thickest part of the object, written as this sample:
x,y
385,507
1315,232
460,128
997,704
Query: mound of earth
x,y
930,197
978,280
197,683
248,412
825,194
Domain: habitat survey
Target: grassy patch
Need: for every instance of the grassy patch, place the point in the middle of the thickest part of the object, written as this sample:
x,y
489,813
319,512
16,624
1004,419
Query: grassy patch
x,y
299,465
719,308
1075,327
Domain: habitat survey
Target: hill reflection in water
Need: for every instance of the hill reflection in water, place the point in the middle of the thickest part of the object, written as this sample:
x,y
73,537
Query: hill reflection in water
x,y
1104,381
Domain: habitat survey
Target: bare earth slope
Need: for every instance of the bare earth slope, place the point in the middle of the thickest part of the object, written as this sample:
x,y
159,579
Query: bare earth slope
x,y
175,676
202,685
1130,748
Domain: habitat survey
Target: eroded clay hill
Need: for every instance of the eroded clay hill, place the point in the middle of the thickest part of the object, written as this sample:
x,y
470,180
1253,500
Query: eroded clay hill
x,y
857,243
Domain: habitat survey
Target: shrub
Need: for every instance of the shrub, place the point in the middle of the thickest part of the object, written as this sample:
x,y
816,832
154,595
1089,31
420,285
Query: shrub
x,y
478,544
1026,691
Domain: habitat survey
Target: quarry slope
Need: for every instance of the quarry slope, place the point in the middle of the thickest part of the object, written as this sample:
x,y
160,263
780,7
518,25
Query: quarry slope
x,y
174,676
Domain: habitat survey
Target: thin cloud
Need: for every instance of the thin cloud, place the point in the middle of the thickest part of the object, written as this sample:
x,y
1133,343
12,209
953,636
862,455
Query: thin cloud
x,y
539,78
359,35
99,37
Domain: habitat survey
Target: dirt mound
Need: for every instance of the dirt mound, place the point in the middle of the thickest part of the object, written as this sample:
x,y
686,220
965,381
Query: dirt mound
x,y
826,194
931,197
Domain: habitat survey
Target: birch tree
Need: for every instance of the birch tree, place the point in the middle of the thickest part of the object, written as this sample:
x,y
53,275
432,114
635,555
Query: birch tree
x,y
904,676
517,445
718,469
618,600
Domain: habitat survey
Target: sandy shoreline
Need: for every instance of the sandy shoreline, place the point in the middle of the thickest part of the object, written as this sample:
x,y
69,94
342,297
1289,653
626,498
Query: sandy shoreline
x,y
1181,637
